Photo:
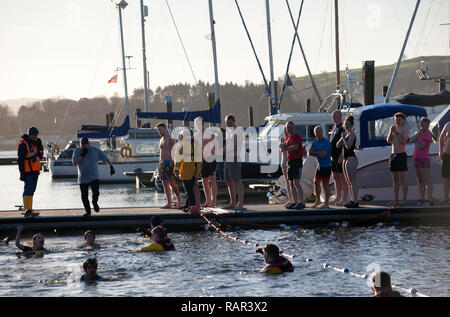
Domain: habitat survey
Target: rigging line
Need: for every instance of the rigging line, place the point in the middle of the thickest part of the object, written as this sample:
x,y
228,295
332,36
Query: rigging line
x,y
398,16
431,29
292,49
268,90
420,40
323,32
182,45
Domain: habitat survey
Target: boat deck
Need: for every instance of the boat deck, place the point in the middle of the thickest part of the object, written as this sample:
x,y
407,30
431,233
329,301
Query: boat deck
x,y
133,219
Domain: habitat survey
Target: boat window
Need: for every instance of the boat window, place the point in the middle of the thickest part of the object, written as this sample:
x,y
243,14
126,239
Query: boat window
x,y
379,129
147,148
329,129
301,129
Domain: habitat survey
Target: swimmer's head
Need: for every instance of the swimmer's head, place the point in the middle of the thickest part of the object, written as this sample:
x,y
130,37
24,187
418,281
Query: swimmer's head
x,y
270,252
90,267
89,236
38,241
381,281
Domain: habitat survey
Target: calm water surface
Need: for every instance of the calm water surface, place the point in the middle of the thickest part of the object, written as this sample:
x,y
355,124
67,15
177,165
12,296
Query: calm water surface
x,y
205,264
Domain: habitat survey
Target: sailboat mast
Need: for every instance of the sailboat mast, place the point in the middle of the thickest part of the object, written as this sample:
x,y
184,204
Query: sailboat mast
x,y
394,75
269,40
213,40
336,32
121,6
146,94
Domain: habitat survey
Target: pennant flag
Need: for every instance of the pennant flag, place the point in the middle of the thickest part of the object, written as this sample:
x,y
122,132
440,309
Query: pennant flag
x,y
113,79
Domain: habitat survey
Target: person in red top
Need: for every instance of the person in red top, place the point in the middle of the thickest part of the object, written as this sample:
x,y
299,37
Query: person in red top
x,y
294,148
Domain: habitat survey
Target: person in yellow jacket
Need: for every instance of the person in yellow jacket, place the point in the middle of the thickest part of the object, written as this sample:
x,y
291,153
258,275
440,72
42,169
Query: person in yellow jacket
x,y
29,155
188,160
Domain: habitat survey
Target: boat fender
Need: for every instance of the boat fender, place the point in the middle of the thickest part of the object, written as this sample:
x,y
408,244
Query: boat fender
x,y
125,151
153,247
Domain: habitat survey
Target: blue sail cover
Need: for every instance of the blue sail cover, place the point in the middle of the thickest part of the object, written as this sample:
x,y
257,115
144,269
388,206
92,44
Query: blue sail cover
x,y
372,113
212,115
107,132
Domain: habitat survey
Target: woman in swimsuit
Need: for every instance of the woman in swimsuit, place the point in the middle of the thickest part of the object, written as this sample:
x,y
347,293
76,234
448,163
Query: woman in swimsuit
x,y
350,164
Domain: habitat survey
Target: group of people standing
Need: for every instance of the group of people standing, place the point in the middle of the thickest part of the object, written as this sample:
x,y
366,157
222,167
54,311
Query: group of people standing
x,y
199,164
335,157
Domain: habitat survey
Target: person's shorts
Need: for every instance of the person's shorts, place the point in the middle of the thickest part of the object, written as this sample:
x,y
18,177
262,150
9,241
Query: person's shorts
x,y
398,162
208,169
232,171
323,174
165,170
446,166
295,169
421,162
336,167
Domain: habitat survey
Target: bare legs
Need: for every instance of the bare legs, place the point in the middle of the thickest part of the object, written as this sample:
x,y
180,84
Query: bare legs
x,y
210,187
233,187
318,190
288,187
423,179
340,184
397,178
170,185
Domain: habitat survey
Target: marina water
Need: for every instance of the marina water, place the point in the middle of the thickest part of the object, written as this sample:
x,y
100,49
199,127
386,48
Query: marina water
x,y
205,264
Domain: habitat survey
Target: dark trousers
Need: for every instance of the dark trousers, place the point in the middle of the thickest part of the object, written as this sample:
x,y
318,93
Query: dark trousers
x,y
189,189
30,184
95,186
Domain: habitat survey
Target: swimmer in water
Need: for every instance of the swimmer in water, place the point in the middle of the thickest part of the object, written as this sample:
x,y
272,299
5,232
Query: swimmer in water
x,y
155,221
90,271
275,263
159,236
382,285
89,238
38,243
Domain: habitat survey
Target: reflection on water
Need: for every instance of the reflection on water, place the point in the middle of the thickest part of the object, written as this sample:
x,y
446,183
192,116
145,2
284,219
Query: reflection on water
x,y
204,264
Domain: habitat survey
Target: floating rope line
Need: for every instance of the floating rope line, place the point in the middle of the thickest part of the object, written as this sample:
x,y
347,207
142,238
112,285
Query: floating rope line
x,y
412,291
226,235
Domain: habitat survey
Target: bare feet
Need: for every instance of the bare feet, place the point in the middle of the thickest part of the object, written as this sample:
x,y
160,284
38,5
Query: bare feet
x,y
206,204
229,206
325,206
316,204
168,206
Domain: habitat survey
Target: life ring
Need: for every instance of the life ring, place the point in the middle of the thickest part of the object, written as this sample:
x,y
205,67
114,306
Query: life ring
x,y
153,247
126,151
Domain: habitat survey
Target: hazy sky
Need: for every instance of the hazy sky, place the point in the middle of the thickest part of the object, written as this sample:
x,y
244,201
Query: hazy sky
x,y
71,48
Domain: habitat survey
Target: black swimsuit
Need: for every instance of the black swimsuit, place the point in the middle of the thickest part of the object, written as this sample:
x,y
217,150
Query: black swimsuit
x,y
351,151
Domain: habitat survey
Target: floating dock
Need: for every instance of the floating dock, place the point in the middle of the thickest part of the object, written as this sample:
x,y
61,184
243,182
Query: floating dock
x,y
136,219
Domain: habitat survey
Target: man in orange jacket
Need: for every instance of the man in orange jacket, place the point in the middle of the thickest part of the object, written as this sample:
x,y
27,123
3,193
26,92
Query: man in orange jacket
x,y
29,155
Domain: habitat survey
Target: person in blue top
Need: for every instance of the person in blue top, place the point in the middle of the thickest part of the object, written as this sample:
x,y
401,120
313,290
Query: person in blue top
x,y
86,158
90,271
321,148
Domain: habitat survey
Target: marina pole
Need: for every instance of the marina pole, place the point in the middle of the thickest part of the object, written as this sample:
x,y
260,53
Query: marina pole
x,y
122,5
146,95
394,75
213,40
336,32
273,101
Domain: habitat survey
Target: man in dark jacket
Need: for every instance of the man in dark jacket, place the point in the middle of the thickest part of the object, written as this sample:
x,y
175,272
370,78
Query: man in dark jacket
x,y
29,155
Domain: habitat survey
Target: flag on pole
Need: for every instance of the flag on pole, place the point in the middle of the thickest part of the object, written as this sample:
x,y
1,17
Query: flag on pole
x,y
113,79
